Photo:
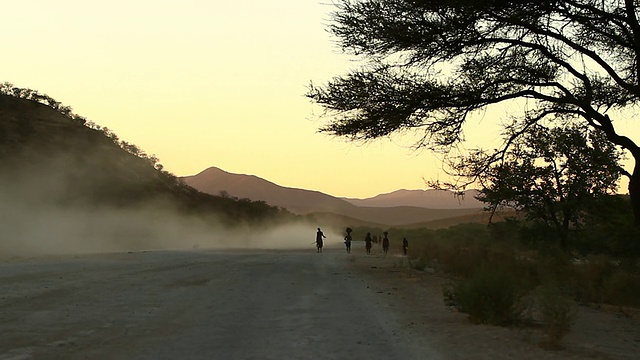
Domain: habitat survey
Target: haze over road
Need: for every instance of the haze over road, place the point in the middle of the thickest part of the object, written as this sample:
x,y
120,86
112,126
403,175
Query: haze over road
x,y
253,304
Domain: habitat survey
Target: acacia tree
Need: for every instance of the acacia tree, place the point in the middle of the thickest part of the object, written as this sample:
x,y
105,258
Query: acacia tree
x,y
429,64
554,176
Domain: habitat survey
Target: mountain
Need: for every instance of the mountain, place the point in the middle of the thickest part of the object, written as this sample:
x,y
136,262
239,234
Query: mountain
x,y
214,181
433,199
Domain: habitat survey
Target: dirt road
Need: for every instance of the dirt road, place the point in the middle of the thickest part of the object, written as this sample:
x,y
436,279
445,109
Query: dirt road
x,y
258,304
197,305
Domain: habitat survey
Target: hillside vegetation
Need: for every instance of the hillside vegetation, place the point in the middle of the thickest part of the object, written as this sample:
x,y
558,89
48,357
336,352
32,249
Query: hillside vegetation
x,y
514,274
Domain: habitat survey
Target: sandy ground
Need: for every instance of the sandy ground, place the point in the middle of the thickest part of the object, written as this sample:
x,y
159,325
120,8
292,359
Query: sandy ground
x,y
260,304
597,334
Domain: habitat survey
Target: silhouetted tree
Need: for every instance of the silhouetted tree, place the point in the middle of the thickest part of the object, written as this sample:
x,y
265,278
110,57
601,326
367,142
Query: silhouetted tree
x,y
431,63
554,176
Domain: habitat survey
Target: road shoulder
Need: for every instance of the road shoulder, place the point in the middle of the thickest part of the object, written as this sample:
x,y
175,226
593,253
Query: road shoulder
x,y
417,297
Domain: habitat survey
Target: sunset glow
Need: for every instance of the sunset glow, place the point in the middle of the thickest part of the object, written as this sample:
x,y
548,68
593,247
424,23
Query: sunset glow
x,y
210,83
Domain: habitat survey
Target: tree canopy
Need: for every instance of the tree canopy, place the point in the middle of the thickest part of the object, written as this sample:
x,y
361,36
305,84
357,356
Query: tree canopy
x,y
554,176
430,64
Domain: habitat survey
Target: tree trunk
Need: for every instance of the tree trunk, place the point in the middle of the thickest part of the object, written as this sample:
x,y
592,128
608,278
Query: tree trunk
x,y
564,235
634,178
634,194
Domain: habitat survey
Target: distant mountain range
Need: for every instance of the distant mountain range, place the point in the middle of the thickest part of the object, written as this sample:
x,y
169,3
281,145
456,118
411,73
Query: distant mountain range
x,y
432,199
399,208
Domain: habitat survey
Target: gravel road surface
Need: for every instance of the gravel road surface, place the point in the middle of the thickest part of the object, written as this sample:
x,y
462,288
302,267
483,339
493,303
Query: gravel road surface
x,y
263,304
253,304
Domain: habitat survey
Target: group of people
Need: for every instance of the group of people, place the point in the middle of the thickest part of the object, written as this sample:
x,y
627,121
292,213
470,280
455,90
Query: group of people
x,y
368,242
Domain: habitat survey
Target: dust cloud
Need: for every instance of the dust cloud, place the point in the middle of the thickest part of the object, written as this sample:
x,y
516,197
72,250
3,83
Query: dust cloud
x,y
52,230
292,236
33,222
32,229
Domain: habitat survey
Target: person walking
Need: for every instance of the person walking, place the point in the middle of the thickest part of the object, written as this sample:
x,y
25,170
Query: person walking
x,y
405,245
367,242
385,243
319,236
347,240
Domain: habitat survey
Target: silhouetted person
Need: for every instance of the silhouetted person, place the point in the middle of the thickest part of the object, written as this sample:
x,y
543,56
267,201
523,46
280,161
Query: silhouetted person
x,y
319,236
367,242
385,243
347,240
405,245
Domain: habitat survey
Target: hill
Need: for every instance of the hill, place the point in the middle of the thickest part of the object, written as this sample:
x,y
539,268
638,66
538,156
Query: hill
x,y
50,155
433,199
216,181
66,183
480,217
304,202
61,160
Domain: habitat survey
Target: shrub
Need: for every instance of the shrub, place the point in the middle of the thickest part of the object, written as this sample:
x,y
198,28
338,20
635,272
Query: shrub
x,y
462,261
602,279
590,277
622,289
489,296
558,314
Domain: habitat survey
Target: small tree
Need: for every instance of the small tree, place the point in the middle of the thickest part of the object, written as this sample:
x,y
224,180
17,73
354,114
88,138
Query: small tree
x,y
551,175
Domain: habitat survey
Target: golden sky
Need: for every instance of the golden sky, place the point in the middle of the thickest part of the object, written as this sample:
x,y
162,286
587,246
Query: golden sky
x,y
203,83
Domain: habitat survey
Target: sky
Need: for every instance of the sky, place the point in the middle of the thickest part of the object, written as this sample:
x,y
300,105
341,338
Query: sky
x,y
203,83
